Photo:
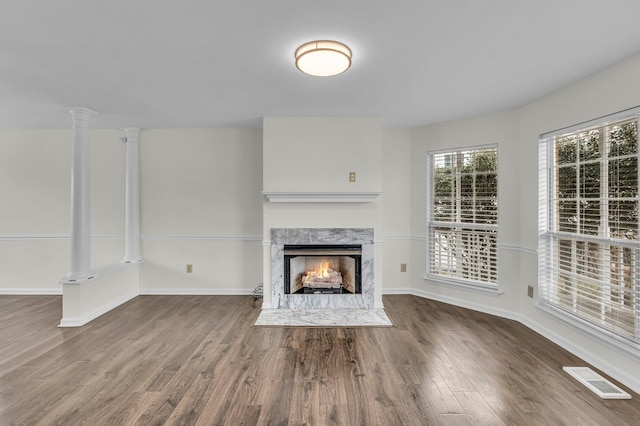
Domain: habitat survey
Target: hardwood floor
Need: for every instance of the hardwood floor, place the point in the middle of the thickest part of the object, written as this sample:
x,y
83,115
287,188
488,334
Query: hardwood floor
x,y
197,360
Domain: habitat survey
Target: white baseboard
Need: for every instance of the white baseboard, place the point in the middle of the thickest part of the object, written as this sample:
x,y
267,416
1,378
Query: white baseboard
x,y
31,291
466,304
196,291
397,291
603,365
78,322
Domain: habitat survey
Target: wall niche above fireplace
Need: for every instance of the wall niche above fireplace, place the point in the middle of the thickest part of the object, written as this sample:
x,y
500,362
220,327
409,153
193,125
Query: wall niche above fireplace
x,y
322,268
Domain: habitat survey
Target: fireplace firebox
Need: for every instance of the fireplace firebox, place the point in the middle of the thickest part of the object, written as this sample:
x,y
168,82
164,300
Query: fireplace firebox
x,y
322,269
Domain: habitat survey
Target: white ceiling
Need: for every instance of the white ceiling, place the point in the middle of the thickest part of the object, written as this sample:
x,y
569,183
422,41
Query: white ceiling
x,y
228,63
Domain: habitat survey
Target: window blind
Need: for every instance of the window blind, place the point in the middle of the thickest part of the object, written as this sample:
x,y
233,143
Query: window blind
x,y
463,215
588,224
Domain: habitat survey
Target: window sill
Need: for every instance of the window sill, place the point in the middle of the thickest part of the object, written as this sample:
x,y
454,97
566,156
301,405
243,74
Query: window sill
x,y
486,289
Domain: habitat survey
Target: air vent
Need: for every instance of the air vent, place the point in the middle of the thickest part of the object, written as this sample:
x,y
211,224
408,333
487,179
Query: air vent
x,y
596,383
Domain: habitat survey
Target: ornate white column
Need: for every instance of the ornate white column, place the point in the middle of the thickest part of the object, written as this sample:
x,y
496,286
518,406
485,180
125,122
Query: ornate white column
x,y
132,203
80,197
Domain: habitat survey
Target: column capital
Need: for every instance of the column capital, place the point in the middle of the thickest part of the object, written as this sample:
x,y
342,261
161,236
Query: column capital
x,y
131,132
81,115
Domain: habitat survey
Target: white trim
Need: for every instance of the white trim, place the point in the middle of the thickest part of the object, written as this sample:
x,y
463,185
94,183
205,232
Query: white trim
x,y
403,290
196,291
99,273
143,237
397,237
80,321
202,237
33,237
512,247
321,197
31,291
209,237
405,237
466,304
54,237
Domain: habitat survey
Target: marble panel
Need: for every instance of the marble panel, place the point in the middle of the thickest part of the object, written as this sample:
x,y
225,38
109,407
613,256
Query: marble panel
x,y
324,318
282,236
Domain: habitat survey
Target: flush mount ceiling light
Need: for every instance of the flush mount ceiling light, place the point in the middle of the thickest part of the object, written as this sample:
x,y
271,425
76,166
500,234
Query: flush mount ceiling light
x,y
323,58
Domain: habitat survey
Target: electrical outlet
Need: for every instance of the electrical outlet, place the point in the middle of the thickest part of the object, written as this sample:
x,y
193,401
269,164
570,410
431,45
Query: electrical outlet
x,y
189,268
403,267
530,291
352,176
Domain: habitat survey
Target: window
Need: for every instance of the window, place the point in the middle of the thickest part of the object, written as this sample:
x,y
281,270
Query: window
x,y
588,225
462,216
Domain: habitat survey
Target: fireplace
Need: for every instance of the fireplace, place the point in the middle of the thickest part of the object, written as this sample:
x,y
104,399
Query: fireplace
x,y
322,268
308,246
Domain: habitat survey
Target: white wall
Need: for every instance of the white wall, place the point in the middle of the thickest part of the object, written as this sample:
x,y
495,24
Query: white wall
x,y
497,128
316,154
516,133
396,188
35,186
201,204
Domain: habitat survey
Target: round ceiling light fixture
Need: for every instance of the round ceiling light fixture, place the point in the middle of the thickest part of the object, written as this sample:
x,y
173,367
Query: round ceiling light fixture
x,y
323,58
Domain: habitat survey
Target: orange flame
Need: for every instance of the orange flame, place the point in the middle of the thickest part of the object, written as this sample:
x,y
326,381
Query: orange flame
x,y
322,271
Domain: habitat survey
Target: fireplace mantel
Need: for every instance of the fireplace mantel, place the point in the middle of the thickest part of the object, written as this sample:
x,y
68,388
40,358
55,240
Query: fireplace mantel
x,y
322,197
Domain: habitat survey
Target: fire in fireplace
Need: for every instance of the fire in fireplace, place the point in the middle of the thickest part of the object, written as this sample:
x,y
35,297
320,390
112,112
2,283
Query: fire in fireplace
x,y
322,269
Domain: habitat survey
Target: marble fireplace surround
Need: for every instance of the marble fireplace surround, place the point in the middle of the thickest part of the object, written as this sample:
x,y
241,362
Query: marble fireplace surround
x,y
282,236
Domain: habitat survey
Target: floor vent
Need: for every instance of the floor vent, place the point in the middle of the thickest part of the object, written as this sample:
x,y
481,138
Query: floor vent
x,y
598,384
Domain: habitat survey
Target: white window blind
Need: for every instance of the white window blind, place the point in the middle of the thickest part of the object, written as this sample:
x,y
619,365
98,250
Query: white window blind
x,y
463,215
588,224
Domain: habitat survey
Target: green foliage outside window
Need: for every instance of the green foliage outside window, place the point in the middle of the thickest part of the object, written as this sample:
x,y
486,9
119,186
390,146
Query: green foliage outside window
x,y
590,229
581,160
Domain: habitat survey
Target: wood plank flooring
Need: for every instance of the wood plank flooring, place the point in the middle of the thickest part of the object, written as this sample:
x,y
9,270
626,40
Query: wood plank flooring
x,y
197,360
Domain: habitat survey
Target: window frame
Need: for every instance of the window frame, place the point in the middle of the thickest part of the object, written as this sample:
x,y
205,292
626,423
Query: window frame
x,y
551,239
479,286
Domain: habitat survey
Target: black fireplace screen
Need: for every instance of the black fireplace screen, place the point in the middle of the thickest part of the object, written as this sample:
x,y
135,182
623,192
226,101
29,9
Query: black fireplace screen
x,y
322,269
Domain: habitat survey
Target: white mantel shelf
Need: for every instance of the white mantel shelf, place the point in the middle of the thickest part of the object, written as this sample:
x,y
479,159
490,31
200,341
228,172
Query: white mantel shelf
x,y
322,197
